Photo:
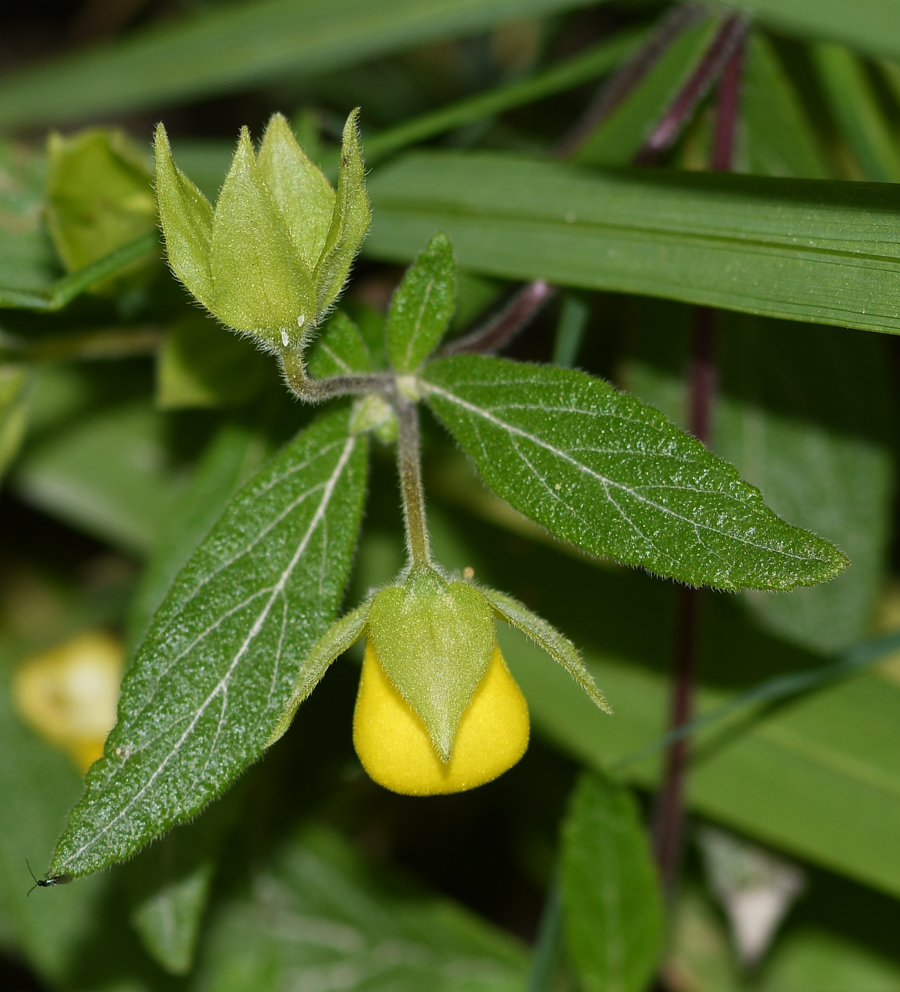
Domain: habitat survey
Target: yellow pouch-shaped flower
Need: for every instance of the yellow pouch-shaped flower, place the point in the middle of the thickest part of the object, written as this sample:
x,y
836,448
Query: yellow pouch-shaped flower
x,y
396,750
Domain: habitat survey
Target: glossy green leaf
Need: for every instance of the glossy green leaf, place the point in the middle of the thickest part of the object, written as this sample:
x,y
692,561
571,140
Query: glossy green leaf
x,y
349,223
243,44
260,284
854,103
201,365
778,138
601,470
422,306
803,413
828,253
99,197
614,916
303,194
213,675
622,134
319,916
339,349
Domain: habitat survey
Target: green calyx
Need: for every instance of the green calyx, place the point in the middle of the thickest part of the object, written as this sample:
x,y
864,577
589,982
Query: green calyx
x,y
272,257
434,637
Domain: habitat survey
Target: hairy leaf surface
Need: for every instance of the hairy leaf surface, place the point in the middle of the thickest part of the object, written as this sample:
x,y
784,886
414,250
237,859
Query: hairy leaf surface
x,y
215,670
598,468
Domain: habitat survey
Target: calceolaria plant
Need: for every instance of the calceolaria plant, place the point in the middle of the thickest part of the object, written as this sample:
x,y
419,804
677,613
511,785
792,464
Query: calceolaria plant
x,y
248,628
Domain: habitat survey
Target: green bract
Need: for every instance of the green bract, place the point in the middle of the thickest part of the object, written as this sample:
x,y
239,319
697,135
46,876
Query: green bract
x,y
274,255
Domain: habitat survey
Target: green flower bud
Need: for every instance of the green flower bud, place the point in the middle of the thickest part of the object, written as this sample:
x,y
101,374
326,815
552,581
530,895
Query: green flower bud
x,y
274,255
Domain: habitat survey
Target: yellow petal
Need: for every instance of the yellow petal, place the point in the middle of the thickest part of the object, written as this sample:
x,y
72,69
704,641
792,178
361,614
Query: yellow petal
x,y
394,747
69,694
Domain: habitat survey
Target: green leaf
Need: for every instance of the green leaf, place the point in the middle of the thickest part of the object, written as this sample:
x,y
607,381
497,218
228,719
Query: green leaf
x,y
855,105
44,293
214,673
350,221
168,886
614,917
99,197
778,137
224,49
201,365
27,259
600,469
829,253
367,930
260,284
186,218
622,134
803,413
303,194
422,306
339,349
434,639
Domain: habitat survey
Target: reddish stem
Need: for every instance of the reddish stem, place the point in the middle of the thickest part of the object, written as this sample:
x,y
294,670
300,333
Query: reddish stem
x,y
500,329
701,386
728,40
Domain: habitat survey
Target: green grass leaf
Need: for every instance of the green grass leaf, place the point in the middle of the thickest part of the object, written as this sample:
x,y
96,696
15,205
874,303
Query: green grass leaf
x,y
240,45
870,25
854,103
621,135
215,670
603,471
614,916
820,251
778,138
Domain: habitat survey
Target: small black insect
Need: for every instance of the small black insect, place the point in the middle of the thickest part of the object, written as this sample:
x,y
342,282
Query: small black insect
x,y
45,883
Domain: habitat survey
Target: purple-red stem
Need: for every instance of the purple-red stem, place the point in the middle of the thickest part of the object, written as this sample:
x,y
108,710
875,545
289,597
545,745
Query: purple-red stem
x,y
500,329
701,389
727,41
623,82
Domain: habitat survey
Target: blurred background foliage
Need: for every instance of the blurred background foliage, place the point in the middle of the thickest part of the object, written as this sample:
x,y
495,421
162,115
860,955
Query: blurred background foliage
x,y
127,420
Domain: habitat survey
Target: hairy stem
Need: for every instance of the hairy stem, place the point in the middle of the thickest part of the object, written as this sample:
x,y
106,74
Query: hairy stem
x,y
318,390
409,466
500,329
